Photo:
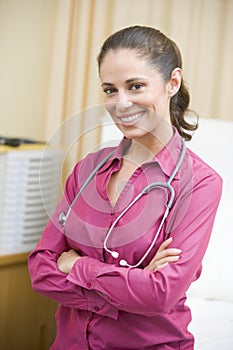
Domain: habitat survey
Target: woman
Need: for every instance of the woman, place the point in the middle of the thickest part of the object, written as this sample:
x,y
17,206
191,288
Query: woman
x,y
120,268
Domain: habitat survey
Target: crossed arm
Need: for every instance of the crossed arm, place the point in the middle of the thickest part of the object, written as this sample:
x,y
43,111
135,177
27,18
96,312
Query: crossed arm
x,y
163,257
84,282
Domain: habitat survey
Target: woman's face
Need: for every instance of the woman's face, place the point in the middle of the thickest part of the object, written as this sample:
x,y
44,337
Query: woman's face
x,y
136,96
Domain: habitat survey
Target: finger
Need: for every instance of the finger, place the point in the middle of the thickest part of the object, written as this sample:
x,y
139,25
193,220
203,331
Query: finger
x,y
165,244
167,259
159,267
156,265
155,268
170,252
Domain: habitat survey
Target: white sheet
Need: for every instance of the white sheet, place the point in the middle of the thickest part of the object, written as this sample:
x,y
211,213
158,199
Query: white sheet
x,y
212,324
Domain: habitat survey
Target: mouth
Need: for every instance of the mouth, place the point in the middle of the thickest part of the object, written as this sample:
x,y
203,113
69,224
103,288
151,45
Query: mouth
x,y
131,119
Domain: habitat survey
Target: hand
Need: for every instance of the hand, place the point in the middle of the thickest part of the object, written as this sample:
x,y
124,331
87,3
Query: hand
x,y
163,256
66,260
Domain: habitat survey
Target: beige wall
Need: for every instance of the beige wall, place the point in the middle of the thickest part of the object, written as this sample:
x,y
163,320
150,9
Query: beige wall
x,y
26,43
48,51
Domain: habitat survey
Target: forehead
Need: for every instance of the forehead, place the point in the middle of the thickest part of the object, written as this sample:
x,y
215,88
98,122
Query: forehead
x,y
124,62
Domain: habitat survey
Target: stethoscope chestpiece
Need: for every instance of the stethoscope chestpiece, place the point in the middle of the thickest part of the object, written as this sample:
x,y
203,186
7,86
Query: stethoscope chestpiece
x,y
62,219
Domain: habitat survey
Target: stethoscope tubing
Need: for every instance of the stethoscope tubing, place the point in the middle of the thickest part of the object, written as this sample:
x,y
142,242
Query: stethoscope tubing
x,y
142,193
64,217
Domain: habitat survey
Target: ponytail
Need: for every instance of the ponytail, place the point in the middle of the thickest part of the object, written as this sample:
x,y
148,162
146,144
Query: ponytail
x,y
178,109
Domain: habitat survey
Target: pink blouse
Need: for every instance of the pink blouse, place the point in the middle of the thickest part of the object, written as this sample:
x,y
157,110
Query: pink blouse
x,y
102,304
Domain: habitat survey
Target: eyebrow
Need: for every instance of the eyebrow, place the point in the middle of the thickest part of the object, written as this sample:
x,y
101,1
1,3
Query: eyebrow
x,y
128,81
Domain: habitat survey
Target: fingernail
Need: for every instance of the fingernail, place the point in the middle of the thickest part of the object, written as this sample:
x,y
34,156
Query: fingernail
x,y
178,251
176,257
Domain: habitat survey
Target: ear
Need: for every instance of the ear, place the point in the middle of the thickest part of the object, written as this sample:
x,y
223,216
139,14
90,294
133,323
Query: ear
x,y
175,81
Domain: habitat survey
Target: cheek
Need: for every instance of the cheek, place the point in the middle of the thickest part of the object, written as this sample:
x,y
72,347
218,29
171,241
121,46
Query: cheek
x,y
110,108
156,101
148,99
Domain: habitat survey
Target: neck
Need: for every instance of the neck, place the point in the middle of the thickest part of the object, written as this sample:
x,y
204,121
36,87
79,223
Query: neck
x,y
143,150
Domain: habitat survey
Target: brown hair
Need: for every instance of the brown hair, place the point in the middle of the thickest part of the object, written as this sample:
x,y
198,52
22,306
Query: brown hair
x,y
164,55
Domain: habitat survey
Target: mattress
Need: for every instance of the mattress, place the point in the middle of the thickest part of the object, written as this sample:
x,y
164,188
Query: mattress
x,y
212,324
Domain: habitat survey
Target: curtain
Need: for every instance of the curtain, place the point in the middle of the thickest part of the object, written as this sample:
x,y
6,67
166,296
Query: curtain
x,y
202,29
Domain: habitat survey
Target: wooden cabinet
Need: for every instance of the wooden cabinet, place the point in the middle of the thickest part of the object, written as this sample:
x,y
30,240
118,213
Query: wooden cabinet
x,y
26,319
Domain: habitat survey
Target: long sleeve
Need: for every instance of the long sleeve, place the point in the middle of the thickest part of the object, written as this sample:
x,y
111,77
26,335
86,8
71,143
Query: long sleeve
x,y
103,305
151,293
49,281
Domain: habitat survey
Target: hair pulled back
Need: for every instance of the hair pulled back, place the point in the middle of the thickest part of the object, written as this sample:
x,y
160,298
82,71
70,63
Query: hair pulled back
x,y
163,54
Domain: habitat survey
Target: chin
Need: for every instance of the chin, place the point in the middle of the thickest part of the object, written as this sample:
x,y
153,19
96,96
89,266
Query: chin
x,y
134,134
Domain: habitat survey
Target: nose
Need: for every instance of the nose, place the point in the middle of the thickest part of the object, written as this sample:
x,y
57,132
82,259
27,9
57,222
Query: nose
x,y
121,106
123,102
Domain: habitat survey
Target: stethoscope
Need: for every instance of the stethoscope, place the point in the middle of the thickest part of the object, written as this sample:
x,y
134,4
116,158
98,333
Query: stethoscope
x,y
170,199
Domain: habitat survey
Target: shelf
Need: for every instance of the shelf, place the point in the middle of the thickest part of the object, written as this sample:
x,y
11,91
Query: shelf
x,y
13,259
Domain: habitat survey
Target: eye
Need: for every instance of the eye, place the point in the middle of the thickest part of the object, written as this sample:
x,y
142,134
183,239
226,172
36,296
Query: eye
x,y
109,91
136,87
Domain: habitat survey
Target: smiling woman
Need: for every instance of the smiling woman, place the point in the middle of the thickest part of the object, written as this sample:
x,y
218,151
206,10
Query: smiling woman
x,y
159,87
135,101
127,238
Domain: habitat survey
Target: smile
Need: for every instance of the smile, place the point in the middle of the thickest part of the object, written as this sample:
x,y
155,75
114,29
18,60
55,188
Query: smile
x,y
132,118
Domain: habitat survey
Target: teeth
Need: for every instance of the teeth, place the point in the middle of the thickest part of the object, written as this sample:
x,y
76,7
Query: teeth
x,y
131,118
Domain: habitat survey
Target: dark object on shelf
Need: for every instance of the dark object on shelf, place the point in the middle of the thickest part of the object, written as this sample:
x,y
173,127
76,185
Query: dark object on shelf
x,y
15,142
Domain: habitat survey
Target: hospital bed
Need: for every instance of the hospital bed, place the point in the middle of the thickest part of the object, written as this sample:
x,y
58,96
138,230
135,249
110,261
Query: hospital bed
x,y
211,297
